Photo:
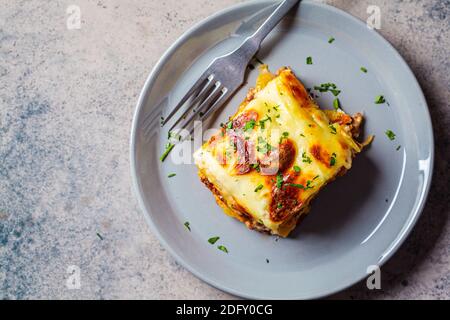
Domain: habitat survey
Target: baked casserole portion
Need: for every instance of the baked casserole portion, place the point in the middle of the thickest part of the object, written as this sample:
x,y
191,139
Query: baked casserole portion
x,y
274,155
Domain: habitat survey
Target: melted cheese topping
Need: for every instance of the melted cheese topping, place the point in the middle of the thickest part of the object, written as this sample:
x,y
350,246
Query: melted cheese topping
x,y
279,111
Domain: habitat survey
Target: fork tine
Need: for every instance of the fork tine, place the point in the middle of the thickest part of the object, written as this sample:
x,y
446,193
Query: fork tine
x,y
209,99
191,91
200,96
225,94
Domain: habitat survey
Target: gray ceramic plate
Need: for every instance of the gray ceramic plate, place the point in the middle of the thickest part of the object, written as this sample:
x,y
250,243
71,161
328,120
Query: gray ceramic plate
x,y
357,221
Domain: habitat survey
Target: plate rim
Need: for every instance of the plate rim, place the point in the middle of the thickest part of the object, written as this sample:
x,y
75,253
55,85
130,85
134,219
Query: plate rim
x,y
141,102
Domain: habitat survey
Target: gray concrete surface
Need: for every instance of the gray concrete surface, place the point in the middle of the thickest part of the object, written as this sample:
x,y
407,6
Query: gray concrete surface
x,y
66,102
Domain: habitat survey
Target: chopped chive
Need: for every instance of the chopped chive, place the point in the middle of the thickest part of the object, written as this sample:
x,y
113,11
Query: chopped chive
x,y
331,40
333,159
309,60
398,148
302,135
336,104
333,129
285,134
363,69
99,236
279,180
390,134
230,125
213,240
259,187
169,148
279,205
296,168
186,224
222,248
305,158
267,260
171,175
335,92
380,99
249,125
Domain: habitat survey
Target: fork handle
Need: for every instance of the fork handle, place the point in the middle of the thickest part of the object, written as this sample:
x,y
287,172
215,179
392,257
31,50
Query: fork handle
x,y
252,44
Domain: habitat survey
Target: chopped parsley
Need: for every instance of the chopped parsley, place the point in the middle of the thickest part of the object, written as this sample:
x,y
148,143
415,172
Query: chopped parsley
x,y
213,240
363,69
171,175
230,125
169,148
263,146
333,129
328,86
390,134
279,180
300,186
302,135
99,236
380,99
279,205
309,60
336,104
296,168
305,158
186,224
256,167
259,187
222,248
262,121
276,107
331,40
333,159
250,125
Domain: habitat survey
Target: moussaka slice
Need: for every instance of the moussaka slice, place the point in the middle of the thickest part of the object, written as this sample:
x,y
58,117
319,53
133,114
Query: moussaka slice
x,y
271,159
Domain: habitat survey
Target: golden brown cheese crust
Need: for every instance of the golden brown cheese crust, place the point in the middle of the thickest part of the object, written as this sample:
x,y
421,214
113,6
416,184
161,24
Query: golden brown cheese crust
x,y
266,177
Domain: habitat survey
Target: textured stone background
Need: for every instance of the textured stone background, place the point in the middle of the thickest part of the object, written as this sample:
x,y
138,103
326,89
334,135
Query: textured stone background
x,y
66,104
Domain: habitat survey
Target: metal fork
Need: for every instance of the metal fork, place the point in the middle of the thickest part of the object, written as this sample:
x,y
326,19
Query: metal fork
x,y
224,75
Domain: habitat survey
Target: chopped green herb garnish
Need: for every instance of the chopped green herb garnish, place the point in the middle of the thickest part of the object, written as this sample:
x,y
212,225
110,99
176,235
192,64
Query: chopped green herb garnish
x,y
309,60
363,69
186,224
302,135
222,248
336,104
262,121
333,129
333,159
305,158
256,166
335,92
279,205
300,186
249,125
390,134
398,148
267,260
263,146
296,168
230,125
331,40
171,175
279,180
213,240
169,148
99,236
259,187
380,99
276,107
285,134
